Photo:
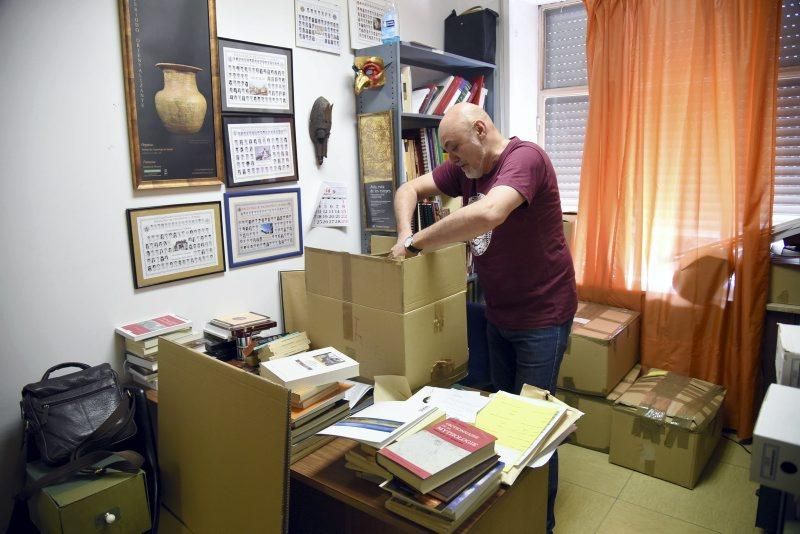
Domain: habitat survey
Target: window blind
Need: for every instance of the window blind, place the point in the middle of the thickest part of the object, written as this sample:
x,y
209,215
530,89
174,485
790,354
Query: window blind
x,y
565,47
565,126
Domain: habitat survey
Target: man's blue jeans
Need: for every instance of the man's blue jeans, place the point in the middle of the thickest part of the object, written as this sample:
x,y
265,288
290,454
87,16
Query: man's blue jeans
x,y
531,356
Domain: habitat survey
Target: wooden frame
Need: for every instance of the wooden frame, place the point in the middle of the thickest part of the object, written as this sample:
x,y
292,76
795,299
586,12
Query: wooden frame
x,y
170,146
263,225
255,78
175,242
377,170
259,150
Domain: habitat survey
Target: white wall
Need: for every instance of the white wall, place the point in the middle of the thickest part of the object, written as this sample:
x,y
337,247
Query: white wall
x,y
65,278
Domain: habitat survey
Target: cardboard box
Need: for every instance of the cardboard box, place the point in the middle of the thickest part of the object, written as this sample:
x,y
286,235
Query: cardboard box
x,y
569,219
787,355
667,425
776,441
784,284
594,428
381,244
398,286
169,524
603,346
388,343
223,444
80,504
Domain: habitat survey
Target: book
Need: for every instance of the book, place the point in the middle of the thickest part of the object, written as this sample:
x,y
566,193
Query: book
x,y
441,90
143,377
455,507
153,327
405,88
447,97
382,423
239,320
308,396
298,416
446,518
437,454
218,332
453,487
339,410
144,352
417,97
431,92
150,365
143,344
312,368
307,446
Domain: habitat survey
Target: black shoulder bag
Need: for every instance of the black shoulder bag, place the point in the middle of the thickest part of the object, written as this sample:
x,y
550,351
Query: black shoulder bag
x,y
74,419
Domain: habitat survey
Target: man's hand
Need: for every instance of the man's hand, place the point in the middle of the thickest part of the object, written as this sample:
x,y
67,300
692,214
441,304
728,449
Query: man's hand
x,y
399,250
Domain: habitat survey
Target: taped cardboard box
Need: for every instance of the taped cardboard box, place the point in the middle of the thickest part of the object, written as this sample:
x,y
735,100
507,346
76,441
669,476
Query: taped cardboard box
x,y
594,428
787,355
387,343
223,444
667,425
603,346
398,286
784,284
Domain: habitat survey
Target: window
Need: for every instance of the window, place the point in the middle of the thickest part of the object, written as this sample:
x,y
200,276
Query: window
x,y
564,95
786,205
564,103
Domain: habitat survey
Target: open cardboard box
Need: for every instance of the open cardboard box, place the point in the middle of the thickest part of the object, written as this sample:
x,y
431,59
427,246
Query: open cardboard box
x,y
223,444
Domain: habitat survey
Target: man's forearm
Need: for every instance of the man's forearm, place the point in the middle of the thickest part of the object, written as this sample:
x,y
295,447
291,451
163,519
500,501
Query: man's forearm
x,y
405,201
462,225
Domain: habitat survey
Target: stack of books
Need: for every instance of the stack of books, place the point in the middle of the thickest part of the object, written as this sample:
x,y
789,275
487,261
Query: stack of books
x,y
438,97
441,474
237,324
281,345
318,395
141,345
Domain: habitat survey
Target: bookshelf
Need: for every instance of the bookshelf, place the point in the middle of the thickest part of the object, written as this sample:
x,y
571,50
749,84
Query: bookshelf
x,y
389,97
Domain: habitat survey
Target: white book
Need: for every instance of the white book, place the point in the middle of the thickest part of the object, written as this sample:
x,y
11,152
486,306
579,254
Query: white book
x,y
438,98
482,98
405,81
311,368
150,365
417,96
381,423
217,331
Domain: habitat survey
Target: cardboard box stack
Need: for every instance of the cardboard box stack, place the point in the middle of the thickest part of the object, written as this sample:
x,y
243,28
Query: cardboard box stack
x,y
393,317
667,425
600,363
594,428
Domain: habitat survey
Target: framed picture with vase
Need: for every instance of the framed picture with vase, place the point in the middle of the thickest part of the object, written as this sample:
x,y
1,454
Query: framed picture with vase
x,y
172,94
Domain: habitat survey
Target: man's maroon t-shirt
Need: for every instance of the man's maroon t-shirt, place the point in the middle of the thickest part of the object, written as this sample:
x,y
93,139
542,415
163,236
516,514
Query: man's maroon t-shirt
x,y
523,265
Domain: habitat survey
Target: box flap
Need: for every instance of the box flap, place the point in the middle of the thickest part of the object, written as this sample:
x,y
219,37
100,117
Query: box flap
x,y
625,384
223,444
789,337
672,399
601,322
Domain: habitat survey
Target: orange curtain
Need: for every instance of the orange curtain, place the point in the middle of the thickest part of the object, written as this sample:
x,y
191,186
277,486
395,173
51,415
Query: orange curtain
x,y
676,184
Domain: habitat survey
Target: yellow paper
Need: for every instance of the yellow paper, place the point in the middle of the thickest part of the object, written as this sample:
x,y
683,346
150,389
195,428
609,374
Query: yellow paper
x,y
516,423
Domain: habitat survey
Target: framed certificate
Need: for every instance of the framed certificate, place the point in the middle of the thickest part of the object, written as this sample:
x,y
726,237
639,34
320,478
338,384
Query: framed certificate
x,y
259,150
255,78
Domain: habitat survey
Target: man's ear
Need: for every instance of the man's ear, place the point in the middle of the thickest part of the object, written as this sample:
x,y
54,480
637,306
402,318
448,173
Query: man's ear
x,y
480,128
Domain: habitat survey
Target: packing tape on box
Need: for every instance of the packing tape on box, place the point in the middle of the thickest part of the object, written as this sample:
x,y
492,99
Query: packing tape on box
x,y
438,317
347,321
676,437
690,395
347,278
646,430
656,401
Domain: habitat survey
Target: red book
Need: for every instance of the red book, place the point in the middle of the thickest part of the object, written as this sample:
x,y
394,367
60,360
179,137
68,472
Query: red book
x,y
437,454
477,85
448,95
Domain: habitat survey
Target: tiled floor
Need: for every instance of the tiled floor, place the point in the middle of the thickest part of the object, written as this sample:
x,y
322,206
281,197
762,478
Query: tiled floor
x,y
596,496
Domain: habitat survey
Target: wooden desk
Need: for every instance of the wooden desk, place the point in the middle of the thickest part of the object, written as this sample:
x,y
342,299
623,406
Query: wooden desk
x,y
327,497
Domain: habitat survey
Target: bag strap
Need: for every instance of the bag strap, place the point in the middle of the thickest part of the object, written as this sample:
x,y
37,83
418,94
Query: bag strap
x,y
131,462
81,366
117,422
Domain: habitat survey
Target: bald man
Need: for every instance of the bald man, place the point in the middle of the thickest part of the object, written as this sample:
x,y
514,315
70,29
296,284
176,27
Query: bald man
x,y
512,220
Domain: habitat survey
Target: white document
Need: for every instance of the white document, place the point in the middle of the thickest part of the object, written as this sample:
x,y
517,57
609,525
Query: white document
x,y
356,392
331,205
456,403
379,424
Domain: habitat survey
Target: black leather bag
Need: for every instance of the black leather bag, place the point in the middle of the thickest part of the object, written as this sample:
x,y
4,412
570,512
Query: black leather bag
x,y
71,415
472,34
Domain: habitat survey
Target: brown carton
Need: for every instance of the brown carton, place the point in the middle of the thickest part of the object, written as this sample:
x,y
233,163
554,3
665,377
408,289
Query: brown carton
x,y
784,284
223,443
594,428
602,348
388,343
398,286
667,425
568,220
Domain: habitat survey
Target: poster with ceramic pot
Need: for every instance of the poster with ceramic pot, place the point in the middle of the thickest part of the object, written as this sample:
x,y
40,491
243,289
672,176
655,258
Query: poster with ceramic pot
x,y
170,62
